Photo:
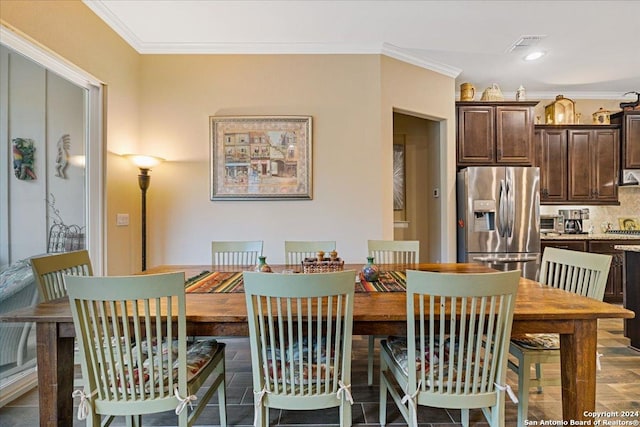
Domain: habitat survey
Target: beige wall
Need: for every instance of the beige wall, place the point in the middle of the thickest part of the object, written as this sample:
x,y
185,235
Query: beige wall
x,y
160,104
72,31
584,107
352,154
417,92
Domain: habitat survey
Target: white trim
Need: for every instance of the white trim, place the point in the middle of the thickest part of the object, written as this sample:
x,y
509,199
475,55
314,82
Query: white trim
x,y
94,195
406,56
257,48
511,96
50,60
94,184
573,95
4,160
105,14
99,8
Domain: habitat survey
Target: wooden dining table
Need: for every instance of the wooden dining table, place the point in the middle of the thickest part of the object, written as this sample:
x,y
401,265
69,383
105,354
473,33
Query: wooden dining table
x,y
538,309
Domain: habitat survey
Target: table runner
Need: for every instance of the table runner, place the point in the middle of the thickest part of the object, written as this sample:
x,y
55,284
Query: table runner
x,y
231,282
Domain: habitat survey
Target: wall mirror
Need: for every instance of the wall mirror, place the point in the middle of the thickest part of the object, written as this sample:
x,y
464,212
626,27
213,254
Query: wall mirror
x,y
50,182
54,108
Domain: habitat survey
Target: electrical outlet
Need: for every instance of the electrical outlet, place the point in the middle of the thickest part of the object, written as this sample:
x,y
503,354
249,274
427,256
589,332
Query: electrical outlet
x,y
122,219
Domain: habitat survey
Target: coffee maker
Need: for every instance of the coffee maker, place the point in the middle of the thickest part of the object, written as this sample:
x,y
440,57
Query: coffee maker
x,y
574,220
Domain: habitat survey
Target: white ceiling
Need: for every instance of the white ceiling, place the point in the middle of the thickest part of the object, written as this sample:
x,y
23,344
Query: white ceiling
x,y
593,48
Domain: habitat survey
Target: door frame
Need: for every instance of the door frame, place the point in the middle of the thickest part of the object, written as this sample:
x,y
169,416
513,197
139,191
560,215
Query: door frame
x,y
94,148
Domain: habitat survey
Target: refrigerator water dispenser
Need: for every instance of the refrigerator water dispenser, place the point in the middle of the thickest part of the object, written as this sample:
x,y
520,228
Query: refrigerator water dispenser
x,y
484,215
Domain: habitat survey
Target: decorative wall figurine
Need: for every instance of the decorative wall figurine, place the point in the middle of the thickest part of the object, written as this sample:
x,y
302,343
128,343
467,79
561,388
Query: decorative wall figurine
x,y
24,158
62,158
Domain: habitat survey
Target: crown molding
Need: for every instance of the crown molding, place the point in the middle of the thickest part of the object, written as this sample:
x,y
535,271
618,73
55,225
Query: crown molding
x,y
405,56
48,59
387,49
576,95
256,48
105,14
511,95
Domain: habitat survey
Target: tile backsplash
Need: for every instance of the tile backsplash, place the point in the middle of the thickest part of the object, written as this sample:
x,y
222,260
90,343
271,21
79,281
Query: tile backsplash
x,y
629,207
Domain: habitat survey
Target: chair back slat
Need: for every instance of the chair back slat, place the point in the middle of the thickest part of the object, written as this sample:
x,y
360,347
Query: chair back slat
x,y
296,251
300,329
582,273
462,325
394,251
236,254
49,271
131,346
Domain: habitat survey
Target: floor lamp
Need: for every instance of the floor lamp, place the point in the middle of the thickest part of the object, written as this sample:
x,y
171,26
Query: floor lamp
x,y
144,163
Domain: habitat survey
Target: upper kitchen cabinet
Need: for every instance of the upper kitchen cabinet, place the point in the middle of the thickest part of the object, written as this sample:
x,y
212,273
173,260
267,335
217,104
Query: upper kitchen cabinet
x,y
629,122
551,157
495,133
578,164
593,164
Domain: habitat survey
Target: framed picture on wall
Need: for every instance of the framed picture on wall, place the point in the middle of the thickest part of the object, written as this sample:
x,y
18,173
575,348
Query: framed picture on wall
x,y
398,177
260,157
629,224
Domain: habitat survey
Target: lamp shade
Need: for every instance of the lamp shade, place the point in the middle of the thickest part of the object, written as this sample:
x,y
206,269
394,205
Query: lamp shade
x,y
143,161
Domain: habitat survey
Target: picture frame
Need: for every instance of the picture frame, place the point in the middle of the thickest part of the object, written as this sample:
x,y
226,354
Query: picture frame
x,y
398,177
261,157
629,223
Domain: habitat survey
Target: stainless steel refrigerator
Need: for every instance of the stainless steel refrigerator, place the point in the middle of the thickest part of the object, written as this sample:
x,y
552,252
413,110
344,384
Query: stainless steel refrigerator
x,y
499,217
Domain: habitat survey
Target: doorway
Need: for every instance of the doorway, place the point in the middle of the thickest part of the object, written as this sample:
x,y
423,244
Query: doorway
x,y
417,212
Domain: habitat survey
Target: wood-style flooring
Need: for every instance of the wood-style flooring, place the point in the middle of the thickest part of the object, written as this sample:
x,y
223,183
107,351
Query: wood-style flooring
x,y
618,390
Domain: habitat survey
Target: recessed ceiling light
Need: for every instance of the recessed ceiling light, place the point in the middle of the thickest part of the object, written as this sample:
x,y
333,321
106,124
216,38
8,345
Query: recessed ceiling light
x,y
534,55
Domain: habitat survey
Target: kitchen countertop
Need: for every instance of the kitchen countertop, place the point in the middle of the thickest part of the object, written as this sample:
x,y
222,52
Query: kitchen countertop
x,y
629,248
592,236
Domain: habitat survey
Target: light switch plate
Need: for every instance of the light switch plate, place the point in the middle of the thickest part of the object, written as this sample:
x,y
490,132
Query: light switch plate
x,y
122,219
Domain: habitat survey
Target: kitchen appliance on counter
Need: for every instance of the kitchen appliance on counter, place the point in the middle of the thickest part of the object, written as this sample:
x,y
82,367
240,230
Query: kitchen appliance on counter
x,y
552,224
574,220
499,217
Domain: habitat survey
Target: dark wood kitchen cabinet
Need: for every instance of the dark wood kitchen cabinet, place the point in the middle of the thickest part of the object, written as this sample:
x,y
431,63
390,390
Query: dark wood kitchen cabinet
x,y
551,157
495,133
579,164
593,165
572,245
629,122
614,289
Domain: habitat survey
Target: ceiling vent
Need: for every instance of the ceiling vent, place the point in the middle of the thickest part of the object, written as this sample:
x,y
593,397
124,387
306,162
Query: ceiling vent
x,y
525,43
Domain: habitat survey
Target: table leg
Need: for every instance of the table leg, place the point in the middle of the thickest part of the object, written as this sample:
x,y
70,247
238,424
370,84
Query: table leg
x,y
578,370
55,376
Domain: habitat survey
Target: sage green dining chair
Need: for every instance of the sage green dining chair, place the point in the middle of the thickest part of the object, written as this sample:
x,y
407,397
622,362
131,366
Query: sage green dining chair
x,y
394,251
131,332
582,273
455,352
296,251
49,271
389,252
300,330
235,253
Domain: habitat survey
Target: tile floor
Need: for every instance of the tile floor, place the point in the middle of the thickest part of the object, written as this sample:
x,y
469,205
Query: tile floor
x,y
618,389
